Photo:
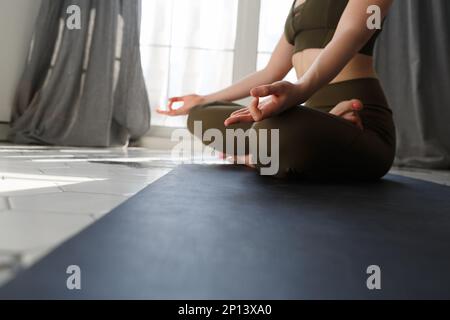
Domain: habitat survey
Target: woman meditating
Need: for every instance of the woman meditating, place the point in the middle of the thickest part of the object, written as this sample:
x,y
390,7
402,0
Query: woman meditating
x,y
334,122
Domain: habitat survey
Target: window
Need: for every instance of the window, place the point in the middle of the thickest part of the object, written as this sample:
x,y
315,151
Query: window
x,y
199,46
271,26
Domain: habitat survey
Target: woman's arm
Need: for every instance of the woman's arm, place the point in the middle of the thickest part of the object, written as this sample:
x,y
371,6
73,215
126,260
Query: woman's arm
x,y
351,35
277,68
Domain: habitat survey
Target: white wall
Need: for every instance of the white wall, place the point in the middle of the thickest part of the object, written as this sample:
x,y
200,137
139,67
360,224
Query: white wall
x,y
17,18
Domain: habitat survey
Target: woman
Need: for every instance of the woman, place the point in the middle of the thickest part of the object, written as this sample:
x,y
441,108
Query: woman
x,y
344,129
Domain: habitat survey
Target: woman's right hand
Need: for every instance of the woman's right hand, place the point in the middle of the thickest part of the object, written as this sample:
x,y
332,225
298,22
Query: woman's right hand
x,y
189,101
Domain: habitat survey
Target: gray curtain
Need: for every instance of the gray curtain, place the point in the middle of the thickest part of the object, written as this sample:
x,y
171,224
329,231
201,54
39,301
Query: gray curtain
x,y
413,61
75,91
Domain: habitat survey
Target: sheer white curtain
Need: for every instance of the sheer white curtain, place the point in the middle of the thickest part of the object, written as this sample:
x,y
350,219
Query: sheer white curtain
x,y
271,26
188,46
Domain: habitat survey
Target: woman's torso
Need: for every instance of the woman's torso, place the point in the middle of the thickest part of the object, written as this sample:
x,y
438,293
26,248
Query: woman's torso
x,y
361,66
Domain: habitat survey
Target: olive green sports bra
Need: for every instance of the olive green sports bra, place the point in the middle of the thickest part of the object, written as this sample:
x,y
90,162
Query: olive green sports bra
x,y
313,23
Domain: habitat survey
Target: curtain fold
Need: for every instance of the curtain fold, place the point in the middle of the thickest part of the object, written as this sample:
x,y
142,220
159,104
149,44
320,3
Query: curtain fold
x,y
75,90
413,62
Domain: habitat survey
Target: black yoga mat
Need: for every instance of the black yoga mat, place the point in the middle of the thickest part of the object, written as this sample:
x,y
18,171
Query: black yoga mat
x,y
222,232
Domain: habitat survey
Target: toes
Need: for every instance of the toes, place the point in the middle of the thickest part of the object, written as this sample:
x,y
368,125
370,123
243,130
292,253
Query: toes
x,y
357,105
246,160
342,108
348,110
347,106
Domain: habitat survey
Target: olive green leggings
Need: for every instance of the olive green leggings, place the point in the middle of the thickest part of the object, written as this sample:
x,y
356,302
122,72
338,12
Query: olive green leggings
x,y
316,144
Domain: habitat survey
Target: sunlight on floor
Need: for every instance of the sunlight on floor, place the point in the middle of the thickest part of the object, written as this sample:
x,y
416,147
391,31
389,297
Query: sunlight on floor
x,y
49,194
16,181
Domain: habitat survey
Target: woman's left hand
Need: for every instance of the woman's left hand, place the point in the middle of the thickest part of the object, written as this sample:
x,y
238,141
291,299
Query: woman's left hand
x,y
280,96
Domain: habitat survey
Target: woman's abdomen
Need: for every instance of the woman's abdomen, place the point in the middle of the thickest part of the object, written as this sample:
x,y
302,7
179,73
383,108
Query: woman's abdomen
x,y
361,66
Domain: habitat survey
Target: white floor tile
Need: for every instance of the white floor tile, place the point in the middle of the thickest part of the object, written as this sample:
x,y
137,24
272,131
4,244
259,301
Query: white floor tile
x,y
8,170
5,275
7,153
8,262
23,230
4,204
16,187
137,178
439,177
107,172
30,257
90,171
98,215
66,202
150,174
107,187
6,164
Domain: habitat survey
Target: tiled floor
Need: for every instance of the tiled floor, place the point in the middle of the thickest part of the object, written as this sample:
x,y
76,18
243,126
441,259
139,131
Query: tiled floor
x,y
47,195
436,176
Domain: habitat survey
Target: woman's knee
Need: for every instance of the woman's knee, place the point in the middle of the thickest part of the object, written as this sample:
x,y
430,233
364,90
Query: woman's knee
x,y
301,137
284,143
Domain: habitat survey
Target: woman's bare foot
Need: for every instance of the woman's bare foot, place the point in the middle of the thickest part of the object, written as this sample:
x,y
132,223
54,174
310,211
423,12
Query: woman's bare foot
x,y
349,110
221,155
